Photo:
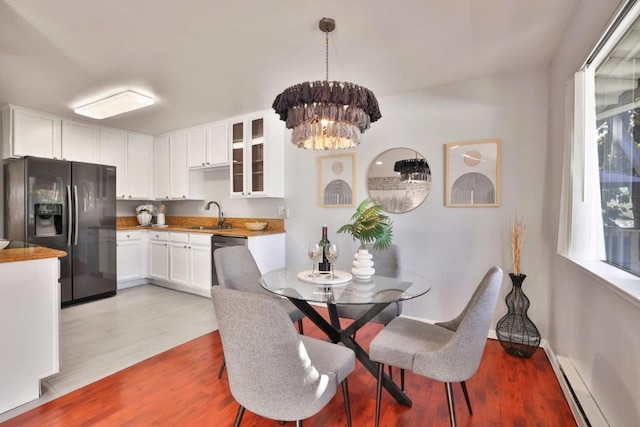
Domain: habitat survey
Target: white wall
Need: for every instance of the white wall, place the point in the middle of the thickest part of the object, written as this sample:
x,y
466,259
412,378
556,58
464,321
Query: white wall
x,y
454,247
588,323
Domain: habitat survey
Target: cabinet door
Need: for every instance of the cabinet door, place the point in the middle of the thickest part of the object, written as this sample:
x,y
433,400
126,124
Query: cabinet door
x,y
163,168
113,151
129,260
159,260
218,144
139,166
200,267
35,134
197,142
254,168
79,142
178,162
179,256
237,158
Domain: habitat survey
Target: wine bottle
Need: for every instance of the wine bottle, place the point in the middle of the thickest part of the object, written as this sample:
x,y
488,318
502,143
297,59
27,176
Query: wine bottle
x,y
324,265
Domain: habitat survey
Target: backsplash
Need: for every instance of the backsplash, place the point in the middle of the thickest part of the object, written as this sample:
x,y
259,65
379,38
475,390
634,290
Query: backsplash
x,y
273,224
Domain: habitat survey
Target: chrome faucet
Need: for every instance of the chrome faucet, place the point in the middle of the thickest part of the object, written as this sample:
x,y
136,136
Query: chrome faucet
x,y
220,214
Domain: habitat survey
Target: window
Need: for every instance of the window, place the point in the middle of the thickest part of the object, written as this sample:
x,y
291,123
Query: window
x,y
616,87
600,202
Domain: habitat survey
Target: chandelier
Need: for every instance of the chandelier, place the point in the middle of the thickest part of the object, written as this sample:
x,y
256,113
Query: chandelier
x,y
412,170
326,115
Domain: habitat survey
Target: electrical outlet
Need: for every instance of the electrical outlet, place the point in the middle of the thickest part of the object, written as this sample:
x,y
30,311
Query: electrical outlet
x,y
282,211
200,209
286,213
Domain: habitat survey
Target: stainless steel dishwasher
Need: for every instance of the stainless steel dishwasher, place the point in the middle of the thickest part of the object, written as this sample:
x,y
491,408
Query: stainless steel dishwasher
x,y
218,242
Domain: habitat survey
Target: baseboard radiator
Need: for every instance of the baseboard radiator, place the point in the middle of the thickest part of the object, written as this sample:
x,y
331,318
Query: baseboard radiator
x,y
584,407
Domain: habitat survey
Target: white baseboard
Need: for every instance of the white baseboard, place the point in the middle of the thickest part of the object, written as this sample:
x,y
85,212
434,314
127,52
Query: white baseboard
x,y
584,408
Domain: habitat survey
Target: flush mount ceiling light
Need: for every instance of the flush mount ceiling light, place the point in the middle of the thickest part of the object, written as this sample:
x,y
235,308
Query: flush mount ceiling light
x,y
110,106
327,115
412,170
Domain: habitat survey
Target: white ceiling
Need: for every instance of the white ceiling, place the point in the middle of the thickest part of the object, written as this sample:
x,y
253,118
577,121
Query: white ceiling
x,y
205,60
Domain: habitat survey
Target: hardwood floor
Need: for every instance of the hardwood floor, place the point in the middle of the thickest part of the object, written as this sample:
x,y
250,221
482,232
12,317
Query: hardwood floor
x,y
180,387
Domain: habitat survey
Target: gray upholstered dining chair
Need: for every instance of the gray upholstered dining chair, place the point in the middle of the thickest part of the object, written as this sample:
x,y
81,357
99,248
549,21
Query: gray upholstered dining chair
x,y
237,269
449,351
274,371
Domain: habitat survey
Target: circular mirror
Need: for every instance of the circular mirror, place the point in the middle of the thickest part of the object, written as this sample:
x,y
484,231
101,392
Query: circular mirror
x,y
399,180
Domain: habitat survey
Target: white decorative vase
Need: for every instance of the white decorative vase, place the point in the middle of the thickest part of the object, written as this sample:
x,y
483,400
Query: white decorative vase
x,y
144,218
363,266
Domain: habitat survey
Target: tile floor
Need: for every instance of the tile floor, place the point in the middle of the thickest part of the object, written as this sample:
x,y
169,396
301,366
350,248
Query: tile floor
x,y
105,336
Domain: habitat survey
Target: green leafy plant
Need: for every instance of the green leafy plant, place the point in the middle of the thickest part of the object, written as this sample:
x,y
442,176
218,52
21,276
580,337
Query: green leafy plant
x,y
370,225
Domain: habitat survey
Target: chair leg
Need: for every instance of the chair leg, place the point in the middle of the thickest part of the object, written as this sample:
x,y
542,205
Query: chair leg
x,y
379,393
347,405
452,411
390,372
239,416
402,380
298,423
300,327
466,396
224,363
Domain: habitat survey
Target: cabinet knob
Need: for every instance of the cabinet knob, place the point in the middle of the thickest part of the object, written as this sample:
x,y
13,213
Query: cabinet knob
x,y
184,197
129,195
128,236
203,163
185,246
166,197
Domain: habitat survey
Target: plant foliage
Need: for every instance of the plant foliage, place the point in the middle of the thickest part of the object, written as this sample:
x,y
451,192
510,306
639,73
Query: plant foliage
x,y
370,225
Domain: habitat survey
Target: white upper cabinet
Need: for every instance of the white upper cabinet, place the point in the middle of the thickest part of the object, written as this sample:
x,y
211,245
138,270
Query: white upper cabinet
x,y
30,133
163,167
174,180
208,146
80,142
113,151
178,163
132,155
139,166
257,164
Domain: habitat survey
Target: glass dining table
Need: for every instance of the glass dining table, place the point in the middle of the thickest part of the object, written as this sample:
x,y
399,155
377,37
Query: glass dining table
x,y
297,284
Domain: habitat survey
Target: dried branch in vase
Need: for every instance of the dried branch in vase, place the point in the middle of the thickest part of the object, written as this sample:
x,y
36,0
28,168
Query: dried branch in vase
x,y
517,239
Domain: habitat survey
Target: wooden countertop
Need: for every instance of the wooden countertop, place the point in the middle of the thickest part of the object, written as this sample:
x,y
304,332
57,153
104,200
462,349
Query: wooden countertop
x,y
26,254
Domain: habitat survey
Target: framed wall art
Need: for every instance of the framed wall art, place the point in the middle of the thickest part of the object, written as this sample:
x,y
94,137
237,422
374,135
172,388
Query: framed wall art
x,y
472,173
337,180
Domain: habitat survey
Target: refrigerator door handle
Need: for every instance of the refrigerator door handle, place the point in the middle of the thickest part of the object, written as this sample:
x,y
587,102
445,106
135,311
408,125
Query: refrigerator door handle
x,y
75,219
70,217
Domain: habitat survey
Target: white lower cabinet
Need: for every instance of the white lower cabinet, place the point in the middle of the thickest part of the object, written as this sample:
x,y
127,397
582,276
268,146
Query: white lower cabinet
x,y
200,263
190,262
179,259
130,256
159,255
182,261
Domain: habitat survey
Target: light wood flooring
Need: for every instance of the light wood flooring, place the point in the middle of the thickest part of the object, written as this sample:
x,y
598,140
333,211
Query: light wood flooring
x,y
105,336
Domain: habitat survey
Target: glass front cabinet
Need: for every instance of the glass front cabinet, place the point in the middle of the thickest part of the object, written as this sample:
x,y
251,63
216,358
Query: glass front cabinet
x,y
257,144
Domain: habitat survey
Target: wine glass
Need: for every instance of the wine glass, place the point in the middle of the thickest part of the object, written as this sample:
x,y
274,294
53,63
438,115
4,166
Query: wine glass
x,y
315,255
332,256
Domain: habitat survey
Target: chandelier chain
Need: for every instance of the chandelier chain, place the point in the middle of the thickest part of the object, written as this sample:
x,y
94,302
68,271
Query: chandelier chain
x,y
326,55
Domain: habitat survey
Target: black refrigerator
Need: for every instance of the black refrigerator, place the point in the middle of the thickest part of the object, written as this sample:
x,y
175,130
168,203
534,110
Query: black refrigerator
x,y
69,206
